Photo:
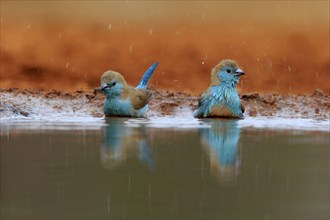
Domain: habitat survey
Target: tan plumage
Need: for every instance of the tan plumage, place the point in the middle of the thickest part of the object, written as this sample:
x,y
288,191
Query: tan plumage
x,y
138,97
110,75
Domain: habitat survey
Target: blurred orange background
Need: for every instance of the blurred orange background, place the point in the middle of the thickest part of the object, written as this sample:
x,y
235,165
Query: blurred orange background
x,y
283,46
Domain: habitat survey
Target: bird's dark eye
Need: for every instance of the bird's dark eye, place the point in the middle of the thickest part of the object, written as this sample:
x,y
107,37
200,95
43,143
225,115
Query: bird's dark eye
x,y
114,83
228,70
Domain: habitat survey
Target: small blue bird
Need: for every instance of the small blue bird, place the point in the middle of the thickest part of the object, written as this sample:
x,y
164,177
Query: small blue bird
x,y
221,98
125,100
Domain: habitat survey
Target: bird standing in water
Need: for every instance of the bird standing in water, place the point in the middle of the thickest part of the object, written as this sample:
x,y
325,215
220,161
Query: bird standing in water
x,y
125,100
221,98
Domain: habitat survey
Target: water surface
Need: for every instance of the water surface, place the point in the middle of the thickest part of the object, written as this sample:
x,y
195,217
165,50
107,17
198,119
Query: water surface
x,y
134,169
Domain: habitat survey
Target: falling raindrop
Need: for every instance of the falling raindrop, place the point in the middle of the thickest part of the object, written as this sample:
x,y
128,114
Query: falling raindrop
x,y
109,26
130,48
204,58
289,68
150,31
59,35
28,27
67,65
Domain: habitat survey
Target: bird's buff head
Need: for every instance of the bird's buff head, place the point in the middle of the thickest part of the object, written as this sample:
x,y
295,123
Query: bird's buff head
x,y
227,71
112,83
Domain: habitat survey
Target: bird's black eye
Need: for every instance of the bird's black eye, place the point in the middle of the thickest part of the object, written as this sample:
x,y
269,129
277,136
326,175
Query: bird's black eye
x,y
114,83
228,70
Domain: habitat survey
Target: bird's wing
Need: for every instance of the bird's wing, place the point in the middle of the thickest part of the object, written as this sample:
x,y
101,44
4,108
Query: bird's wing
x,y
203,104
139,97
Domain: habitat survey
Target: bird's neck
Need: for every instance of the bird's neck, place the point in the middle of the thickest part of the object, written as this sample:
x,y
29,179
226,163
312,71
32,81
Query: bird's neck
x,y
110,96
226,85
116,94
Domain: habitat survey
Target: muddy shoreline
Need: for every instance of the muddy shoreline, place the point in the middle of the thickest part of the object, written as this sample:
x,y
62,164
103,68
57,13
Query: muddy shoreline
x,y
29,103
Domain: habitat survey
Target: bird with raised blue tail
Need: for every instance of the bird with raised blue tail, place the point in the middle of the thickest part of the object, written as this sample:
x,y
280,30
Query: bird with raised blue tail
x,y
122,99
221,98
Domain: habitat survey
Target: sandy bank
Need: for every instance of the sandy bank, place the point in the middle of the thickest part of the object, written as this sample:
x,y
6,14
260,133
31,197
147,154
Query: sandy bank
x,y
18,103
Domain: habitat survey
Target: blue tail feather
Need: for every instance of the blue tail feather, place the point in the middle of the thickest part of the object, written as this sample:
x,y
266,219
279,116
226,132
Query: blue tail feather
x,y
146,76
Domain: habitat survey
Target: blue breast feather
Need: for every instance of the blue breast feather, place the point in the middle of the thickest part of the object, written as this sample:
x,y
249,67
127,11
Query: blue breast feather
x,y
221,96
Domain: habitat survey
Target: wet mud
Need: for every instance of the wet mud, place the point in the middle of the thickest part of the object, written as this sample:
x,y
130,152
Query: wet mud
x,y
29,103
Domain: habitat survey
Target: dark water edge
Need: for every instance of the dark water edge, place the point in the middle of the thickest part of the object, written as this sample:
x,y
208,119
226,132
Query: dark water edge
x,y
121,171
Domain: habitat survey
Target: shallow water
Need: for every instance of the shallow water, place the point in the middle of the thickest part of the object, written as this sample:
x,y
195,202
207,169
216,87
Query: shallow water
x,y
162,168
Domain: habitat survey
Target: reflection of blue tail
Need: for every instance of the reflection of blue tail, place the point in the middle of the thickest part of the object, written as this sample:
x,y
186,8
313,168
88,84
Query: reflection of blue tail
x,y
146,76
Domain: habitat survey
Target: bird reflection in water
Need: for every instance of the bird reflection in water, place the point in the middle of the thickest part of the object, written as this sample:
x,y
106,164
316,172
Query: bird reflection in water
x,y
122,142
221,142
